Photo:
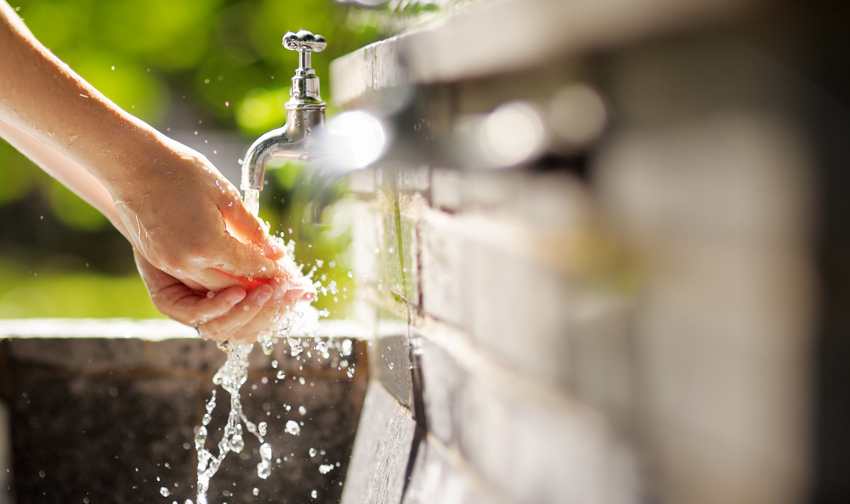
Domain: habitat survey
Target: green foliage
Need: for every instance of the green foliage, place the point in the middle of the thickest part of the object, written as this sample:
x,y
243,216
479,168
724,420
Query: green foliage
x,y
19,174
29,291
219,52
69,209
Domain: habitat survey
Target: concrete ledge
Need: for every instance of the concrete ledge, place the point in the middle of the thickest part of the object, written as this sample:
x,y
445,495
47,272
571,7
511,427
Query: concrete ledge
x,y
149,329
500,37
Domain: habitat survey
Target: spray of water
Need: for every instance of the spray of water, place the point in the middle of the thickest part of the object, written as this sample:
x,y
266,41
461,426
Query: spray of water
x,y
231,376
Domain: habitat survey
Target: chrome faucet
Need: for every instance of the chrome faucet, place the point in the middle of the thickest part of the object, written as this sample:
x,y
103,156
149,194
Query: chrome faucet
x,y
305,110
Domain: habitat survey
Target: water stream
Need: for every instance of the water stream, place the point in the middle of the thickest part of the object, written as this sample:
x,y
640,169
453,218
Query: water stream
x,y
231,376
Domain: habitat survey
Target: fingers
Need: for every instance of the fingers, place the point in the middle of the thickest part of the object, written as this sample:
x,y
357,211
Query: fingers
x,y
248,319
295,295
216,305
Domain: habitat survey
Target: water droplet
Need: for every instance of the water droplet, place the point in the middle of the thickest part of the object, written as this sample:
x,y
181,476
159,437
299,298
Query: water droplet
x,y
237,444
293,428
325,468
312,451
302,410
113,67
314,494
164,492
255,491
281,375
266,451
227,104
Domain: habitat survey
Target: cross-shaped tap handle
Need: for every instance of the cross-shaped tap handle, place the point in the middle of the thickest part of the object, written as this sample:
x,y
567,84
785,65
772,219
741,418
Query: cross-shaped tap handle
x,y
305,43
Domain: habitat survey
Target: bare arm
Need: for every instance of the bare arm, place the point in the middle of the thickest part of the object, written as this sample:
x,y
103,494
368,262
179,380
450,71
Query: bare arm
x,y
175,207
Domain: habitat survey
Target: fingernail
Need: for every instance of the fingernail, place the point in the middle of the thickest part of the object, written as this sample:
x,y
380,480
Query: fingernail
x,y
264,294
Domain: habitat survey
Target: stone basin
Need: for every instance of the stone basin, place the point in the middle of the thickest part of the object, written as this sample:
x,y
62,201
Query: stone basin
x,y
105,411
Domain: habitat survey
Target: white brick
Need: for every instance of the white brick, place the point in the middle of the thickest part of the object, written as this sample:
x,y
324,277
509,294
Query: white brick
x,y
362,181
719,209
446,191
366,239
739,176
415,178
443,263
542,451
437,478
519,311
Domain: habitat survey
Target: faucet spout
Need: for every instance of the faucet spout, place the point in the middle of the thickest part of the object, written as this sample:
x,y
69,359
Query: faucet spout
x,y
305,111
291,141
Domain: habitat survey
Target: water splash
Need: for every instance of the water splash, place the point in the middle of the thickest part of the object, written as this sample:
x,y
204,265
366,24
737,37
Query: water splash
x,y
231,376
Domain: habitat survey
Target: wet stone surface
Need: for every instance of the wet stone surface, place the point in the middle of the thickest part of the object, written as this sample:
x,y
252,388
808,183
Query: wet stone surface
x,y
327,428
436,479
391,365
105,440
382,450
122,435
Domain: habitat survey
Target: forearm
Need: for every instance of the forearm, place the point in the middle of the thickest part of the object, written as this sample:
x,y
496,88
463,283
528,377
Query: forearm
x,y
68,172
43,97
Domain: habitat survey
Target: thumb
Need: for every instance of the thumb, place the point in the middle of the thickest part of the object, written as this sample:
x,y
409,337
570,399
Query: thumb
x,y
246,228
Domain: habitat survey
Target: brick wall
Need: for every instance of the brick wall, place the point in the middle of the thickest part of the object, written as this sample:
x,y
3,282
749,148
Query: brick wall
x,y
632,321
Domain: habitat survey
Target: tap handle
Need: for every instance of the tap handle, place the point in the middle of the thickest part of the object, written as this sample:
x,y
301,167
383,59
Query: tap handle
x,y
304,42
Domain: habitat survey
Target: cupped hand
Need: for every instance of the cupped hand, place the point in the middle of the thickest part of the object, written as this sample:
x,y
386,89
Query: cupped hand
x,y
234,313
188,221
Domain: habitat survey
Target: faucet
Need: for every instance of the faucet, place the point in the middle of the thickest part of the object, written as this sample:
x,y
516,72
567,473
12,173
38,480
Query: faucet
x,y
305,110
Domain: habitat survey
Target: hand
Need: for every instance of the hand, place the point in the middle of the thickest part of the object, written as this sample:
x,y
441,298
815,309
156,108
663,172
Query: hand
x,y
188,221
234,313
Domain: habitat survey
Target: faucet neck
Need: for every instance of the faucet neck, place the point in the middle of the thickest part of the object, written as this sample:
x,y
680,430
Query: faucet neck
x,y
305,92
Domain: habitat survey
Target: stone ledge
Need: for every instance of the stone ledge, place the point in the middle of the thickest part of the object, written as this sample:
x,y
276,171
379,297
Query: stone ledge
x,y
512,36
148,329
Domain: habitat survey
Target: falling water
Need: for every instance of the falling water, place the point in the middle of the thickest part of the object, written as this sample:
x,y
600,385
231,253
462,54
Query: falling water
x,y
231,376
